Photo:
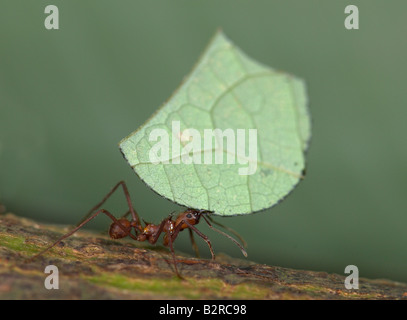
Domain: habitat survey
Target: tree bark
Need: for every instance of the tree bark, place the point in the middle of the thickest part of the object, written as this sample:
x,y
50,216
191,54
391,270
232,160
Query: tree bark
x,y
92,266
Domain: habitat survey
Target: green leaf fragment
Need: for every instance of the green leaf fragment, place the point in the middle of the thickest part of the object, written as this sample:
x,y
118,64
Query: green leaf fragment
x,y
227,90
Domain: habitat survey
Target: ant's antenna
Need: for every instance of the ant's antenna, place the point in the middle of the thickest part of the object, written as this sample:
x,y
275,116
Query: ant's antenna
x,y
230,230
226,235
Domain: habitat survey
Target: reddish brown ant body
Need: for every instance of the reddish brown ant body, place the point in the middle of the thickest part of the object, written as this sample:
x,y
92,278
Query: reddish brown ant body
x,y
122,227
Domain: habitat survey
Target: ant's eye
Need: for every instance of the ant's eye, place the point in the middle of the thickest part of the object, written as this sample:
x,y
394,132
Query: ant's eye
x,y
189,216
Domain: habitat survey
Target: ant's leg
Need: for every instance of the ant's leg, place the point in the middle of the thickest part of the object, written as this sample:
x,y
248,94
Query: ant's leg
x,y
126,214
194,246
230,230
157,235
160,228
173,257
226,235
80,226
126,194
199,233
159,231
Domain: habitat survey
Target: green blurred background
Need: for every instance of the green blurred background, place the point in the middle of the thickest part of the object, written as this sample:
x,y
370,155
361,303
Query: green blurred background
x,y
68,96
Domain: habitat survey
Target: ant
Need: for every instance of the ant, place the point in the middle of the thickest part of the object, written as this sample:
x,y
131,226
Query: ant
x,y
122,227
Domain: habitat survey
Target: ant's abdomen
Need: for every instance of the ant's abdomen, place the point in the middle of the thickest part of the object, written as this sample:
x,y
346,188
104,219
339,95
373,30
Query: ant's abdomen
x,y
117,231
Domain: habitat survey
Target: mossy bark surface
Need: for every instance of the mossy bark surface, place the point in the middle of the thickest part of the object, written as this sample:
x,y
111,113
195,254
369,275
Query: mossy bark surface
x,y
92,266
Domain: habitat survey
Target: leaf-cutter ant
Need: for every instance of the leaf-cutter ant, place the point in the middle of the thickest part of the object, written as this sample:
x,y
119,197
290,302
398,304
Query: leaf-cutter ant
x,y
122,227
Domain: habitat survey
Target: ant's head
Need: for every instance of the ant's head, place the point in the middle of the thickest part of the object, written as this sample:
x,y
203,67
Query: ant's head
x,y
190,215
121,229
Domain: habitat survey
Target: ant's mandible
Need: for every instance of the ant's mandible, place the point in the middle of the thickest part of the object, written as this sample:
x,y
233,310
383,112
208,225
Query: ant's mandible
x,y
122,227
